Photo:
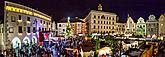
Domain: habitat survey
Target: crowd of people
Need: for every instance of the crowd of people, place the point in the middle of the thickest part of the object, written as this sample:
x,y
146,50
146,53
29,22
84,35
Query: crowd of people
x,y
58,48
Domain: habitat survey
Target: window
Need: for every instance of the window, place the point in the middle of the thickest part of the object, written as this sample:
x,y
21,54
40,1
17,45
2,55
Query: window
x,y
19,17
94,16
41,21
11,29
78,24
24,28
112,23
34,29
45,29
28,18
59,25
49,29
101,27
104,22
20,29
63,29
101,22
113,18
28,29
94,21
42,29
44,22
113,27
39,28
12,19
98,22
98,27
94,27
107,27
107,17
107,22
104,27
98,17
103,17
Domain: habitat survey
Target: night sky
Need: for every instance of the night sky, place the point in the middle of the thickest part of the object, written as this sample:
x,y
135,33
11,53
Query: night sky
x,y
64,8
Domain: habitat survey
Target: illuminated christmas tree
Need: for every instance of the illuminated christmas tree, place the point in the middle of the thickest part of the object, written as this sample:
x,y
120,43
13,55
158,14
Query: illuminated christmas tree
x,y
68,31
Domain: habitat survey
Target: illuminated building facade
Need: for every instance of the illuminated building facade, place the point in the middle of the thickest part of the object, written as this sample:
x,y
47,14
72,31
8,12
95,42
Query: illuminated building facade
x,y
152,26
162,25
141,27
77,26
22,22
98,21
120,28
130,26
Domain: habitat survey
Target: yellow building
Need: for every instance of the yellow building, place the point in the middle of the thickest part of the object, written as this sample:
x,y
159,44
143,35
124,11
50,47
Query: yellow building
x,y
162,25
120,28
21,23
99,21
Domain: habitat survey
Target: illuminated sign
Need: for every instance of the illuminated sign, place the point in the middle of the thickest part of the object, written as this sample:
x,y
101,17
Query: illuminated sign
x,y
23,11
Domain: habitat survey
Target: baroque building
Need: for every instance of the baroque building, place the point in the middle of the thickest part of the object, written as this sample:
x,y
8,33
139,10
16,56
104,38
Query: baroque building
x,y
130,26
162,25
101,22
141,27
152,26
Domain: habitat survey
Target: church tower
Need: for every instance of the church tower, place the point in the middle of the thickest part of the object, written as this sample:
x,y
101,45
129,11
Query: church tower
x,y
100,7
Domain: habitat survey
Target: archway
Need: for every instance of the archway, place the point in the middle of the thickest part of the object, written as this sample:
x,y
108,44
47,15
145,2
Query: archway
x,y
34,40
16,43
26,40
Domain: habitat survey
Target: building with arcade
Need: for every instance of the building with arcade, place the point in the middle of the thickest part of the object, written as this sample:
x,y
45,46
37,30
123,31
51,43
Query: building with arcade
x,y
22,24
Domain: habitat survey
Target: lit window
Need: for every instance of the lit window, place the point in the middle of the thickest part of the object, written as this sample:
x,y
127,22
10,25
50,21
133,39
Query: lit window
x,y
13,19
20,29
11,29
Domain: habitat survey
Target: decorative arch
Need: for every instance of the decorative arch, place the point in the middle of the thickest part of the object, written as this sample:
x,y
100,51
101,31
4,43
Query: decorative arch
x,y
26,40
16,42
34,40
